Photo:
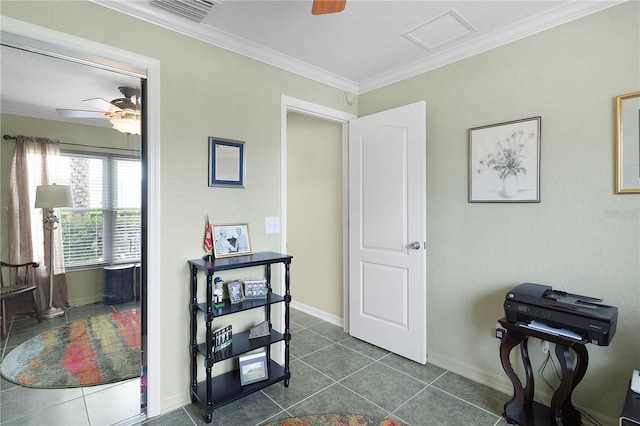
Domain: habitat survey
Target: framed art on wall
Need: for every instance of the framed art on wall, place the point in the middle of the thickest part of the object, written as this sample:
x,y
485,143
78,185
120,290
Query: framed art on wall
x,y
231,240
227,163
628,143
504,162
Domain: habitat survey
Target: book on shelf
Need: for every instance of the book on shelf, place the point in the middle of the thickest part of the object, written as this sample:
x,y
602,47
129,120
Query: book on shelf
x,y
221,338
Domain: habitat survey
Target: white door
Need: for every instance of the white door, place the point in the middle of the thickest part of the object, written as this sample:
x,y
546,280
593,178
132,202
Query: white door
x,y
387,230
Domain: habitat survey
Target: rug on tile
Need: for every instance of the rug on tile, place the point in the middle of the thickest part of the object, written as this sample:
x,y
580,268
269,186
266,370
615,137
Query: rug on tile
x,y
92,351
335,420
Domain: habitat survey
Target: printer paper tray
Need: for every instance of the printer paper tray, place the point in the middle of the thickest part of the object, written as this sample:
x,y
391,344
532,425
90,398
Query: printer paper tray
x,y
537,325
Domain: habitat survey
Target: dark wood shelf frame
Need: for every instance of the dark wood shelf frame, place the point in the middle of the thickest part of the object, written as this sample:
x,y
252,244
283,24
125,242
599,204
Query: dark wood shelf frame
x,y
216,391
522,409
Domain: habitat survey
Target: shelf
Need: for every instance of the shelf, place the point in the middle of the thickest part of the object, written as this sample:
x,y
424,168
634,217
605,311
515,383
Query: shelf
x,y
226,263
227,386
214,392
241,344
228,308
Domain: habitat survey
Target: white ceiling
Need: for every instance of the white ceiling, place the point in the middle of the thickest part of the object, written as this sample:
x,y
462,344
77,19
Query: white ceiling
x,y
369,45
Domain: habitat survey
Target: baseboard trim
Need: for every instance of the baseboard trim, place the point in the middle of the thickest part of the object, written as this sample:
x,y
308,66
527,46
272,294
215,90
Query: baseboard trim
x,y
333,319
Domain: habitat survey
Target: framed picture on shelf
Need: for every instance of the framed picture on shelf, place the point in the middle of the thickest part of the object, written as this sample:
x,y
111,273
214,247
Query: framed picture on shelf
x,y
235,292
253,367
255,289
222,338
231,240
504,162
227,163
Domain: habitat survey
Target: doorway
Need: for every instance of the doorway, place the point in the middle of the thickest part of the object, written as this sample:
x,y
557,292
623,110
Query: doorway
x,y
31,37
340,119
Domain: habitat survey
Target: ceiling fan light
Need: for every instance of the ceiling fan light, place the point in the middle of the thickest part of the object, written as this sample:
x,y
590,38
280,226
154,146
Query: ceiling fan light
x,y
126,125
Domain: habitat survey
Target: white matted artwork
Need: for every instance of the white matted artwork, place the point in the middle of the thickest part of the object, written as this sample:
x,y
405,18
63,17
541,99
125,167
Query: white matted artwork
x,y
504,162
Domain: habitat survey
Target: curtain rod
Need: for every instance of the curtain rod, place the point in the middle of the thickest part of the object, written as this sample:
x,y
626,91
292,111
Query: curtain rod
x,y
8,137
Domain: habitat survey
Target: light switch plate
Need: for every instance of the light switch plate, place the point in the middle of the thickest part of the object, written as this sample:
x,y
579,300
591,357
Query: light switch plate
x,y
272,225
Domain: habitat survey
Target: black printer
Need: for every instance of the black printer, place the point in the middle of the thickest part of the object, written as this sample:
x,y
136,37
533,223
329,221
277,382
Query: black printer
x,y
579,317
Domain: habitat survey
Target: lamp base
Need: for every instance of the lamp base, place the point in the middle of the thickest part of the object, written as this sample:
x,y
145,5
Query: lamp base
x,y
51,312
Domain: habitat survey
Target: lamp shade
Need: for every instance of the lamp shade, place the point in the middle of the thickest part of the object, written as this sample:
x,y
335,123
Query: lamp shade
x,y
51,196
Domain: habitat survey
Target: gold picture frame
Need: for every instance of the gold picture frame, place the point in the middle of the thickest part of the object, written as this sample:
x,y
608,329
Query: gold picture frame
x,y
627,167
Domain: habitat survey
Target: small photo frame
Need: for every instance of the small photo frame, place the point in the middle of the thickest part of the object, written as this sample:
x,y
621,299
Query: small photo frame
x,y
227,164
504,162
255,289
231,240
235,292
253,367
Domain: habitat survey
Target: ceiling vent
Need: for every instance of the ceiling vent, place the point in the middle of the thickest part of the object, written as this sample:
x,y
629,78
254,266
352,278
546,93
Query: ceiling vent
x,y
195,10
441,30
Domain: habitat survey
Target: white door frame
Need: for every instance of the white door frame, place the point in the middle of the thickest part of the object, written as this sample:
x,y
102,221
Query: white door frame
x,y
289,104
90,52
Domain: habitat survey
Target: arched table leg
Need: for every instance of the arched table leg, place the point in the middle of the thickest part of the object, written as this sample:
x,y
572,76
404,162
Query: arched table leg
x,y
513,408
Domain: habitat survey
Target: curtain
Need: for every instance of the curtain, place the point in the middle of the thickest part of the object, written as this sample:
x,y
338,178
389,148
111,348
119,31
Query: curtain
x,y
35,163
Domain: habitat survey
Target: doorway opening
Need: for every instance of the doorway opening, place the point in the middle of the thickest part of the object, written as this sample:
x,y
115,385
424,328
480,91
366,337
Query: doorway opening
x,y
41,40
296,106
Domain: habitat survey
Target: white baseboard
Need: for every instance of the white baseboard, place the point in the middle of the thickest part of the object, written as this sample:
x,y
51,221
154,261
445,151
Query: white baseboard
x,y
333,319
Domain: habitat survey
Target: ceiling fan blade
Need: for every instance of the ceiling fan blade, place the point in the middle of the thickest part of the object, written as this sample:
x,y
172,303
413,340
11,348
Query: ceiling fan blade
x,y
77,113
321,7
102,105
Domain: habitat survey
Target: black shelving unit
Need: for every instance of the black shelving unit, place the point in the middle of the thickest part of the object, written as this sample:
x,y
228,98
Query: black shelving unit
x,y
216,391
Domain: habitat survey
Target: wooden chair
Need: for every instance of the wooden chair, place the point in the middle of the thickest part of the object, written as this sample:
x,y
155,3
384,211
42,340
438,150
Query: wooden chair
x,y
19,286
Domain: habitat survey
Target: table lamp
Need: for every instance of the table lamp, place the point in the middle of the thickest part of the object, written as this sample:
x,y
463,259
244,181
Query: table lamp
x,y
50,197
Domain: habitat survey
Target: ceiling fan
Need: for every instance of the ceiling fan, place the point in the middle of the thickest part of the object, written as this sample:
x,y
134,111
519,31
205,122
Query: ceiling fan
x,y
123,113
321,7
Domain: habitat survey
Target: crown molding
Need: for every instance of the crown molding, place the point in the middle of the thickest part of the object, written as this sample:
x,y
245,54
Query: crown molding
x,y
205,33
560,15
552,18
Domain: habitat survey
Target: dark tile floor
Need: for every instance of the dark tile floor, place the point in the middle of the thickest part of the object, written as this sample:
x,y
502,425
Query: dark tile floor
x,y
331,372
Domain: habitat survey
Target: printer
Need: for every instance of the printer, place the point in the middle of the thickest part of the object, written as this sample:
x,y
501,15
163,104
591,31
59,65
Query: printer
x,y
580,317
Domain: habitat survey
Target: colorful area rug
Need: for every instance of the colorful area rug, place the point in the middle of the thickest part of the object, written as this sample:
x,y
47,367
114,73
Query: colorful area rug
x,y
335,420
93,351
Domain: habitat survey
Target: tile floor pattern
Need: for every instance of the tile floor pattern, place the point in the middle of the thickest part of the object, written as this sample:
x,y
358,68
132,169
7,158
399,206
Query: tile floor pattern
x,y
331,372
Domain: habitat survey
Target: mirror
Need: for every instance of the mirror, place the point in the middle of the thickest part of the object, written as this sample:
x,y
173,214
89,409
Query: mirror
x,y
628,143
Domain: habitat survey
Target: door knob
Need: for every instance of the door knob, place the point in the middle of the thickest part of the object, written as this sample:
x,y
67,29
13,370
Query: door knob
x,y
414,245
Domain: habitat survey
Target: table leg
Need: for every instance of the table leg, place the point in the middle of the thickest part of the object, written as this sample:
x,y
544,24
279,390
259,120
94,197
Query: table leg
x,y
561,400
571,415
513,408
529,385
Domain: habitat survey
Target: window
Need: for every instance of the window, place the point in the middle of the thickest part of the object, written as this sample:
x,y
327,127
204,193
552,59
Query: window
x,y
103,226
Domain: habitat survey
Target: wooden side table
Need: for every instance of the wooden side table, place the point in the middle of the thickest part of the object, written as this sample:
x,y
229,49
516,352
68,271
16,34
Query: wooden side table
x,y
522,409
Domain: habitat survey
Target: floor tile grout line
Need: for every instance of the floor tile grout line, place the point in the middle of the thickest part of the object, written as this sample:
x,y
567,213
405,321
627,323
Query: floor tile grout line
x,y
463,400
408,400
319,371
189,415
366,399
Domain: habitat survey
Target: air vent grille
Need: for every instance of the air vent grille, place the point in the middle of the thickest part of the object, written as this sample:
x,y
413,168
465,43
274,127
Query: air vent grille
x,y
196,10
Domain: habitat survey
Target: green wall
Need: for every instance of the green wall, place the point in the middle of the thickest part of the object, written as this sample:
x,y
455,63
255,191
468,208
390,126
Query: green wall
x,y
205,91
580,238
315,211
